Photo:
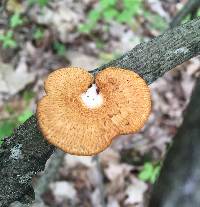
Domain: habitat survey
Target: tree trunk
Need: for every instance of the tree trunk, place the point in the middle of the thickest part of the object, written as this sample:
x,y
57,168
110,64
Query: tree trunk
x,y
179,181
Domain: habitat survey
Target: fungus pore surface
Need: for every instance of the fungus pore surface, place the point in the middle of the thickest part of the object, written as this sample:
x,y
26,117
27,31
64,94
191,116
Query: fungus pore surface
x,y
83,120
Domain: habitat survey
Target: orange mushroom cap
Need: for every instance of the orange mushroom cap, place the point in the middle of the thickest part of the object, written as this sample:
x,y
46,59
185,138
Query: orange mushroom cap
x,y
68,123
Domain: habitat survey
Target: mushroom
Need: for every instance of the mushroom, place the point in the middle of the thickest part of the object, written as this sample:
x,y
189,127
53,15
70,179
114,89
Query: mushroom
x,y
82,118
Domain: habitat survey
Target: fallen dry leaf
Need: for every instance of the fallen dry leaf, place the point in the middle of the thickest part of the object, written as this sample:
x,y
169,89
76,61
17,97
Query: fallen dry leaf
x,y
96,198
65,13
109,156
63,190
113,171
14,80
135,191
112,202
72,161
78,59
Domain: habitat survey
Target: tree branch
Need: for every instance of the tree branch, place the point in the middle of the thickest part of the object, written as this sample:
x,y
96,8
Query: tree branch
x,y
152,59
179,182
25,153
190,6
21,156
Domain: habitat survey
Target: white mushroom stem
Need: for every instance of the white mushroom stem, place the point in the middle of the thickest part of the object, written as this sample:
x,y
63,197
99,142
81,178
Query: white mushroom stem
x,y
91,98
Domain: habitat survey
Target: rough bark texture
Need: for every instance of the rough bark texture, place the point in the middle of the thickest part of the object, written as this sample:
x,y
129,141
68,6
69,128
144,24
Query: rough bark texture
x,y
151,60
179,182
21,156
189,8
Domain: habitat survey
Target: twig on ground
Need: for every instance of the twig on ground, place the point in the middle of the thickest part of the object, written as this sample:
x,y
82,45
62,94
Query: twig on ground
x,y
189,8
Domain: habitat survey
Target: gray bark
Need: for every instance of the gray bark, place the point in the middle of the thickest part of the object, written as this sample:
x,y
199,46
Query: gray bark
x,y
179,182
21,156
151,60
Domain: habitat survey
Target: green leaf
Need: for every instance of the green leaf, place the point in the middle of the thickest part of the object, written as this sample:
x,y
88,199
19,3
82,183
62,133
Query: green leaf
x,y
159,23
9,34
38,34
110,14
85,28
2,37
132,4
16,20
41,3
198,13
7,40
149,172
6,129
27,96
59,48
128,3
186,19
94,15
99,43
124,17
107,3
146,172
156,21
155,174
24,116
9,43
132,7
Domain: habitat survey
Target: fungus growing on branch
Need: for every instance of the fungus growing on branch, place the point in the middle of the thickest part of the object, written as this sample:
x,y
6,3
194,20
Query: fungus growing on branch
x,y
82,117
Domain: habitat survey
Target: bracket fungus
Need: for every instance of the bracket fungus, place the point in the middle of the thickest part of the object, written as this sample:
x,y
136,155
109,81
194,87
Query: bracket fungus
x,y
83,120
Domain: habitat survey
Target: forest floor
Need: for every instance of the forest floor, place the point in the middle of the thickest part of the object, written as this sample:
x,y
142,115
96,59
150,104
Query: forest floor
x,y
37,37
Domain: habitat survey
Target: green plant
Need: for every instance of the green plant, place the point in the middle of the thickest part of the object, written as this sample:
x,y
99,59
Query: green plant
x,y
28,96
107,3
131,8
24,116
7,126
99,43
16,20
7,40
188,17
93,17
59,48
110,10
38,34
155,21
6,129
149,172
41,3
198,13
